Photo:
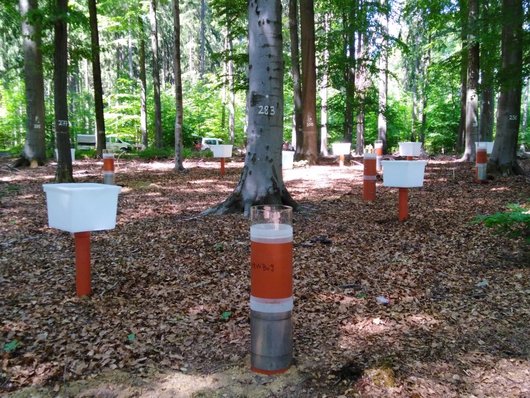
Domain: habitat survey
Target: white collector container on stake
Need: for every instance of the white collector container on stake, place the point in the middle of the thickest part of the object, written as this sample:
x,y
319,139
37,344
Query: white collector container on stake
x,y
222,151
81,208
410,148
341,149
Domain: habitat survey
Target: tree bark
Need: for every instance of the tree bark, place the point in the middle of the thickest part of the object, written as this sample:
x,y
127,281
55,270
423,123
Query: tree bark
x,y
383,79
96,74
156,74
349,72
324,93
472,83
35,145
503,158
309,110
178,87
460,139
143,85
298,136
64,171
202,48
261,180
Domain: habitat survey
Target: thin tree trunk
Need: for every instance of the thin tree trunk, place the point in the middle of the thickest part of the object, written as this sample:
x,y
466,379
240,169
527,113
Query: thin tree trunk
x,y
349,73
156,74
178,87
64,171
460,139
503,159
143,85
324,93
307,22
383,80
35,145
96,73
298,136
202,49
231,92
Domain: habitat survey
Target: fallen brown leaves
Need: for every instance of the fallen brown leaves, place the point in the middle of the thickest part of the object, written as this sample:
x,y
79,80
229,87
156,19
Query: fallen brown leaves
x,y
433,306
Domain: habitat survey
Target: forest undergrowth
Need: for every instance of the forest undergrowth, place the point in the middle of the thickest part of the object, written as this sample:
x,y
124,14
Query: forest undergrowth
x,y
433,306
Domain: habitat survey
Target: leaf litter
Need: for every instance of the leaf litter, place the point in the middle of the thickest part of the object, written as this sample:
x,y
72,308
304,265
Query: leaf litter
x,y
433,306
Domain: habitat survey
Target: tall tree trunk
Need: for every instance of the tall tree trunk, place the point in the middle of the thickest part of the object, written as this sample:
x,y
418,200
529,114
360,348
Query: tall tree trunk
x,y
383,80
472,83
156,74
460,138
143,85
130,54
96,73
524,122
261,180
307,23
64,171
503,159
298,136
324,93
178,87
487,114
231,92
349,72
488,62
362,85
202,48
35,145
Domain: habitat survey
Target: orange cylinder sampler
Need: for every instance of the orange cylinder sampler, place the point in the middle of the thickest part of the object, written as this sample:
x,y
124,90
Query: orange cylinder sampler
x,y
482,164
369,176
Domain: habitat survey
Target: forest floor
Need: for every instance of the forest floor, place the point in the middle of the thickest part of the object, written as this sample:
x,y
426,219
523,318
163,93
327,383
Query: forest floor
x,y
430,307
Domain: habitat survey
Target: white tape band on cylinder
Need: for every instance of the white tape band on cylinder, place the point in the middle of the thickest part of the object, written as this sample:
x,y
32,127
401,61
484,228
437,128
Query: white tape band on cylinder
x,y
271,305
369,178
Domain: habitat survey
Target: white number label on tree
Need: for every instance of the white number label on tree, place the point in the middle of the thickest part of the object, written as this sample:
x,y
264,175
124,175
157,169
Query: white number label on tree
x,y
266,110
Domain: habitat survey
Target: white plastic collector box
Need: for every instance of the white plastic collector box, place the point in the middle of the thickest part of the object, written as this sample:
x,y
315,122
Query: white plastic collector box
x,y
81,207
403,173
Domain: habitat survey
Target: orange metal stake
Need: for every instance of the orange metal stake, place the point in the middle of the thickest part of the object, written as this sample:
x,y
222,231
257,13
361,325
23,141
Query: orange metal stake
x,y
369,177
222,166
341,160
82,263
410,157
403,204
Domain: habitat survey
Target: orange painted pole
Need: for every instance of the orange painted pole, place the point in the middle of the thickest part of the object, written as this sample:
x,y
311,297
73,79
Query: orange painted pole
x,y
222,167
341,160
369,176
482,164
82,263
379,154
410,157
403,204
108,168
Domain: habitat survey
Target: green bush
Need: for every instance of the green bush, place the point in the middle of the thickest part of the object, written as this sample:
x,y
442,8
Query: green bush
x,y
514,222
154,153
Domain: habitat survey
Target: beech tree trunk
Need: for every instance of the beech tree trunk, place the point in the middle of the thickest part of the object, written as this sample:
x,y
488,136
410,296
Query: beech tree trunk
x,y
309,82
143,85
503,159
62,133
324,93
35,145
261,180
472,83
349,72
383,79
156,74
96,73
298,132
178,87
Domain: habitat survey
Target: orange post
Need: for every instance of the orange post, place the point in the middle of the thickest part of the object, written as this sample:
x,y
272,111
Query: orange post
x,y
482,164
369,177
82,263
410,157
222,166
341,160
403,204
108,168
379,154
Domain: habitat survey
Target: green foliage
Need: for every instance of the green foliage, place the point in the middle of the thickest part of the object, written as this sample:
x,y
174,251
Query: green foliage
x,y
513,222
152,153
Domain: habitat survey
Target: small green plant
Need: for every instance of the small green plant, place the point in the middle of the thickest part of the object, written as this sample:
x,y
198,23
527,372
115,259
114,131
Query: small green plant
x,y
514,222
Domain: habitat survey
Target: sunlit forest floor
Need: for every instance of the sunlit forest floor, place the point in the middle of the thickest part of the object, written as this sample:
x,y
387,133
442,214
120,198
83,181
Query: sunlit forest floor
x,y
430,307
